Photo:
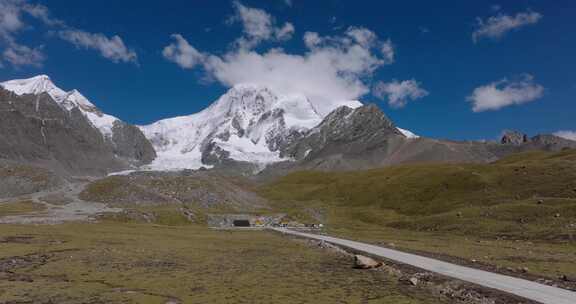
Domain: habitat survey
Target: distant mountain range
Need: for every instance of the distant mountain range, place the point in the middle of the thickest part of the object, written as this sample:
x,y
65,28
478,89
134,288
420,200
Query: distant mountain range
x,y
249,129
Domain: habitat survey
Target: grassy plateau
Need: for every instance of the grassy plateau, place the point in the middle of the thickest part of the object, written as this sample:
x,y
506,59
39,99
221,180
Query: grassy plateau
x,y
517,216
111,262
519,212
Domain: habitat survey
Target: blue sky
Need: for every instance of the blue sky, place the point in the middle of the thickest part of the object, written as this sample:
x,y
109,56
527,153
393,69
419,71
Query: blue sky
x,y
525,56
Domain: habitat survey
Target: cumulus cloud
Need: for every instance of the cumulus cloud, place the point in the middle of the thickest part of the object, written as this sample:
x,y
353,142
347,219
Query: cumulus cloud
x,y
496,27
182,53
331,70
503,93
112,48
21,55
42,13
10,18
258,26
571,135
12,14
399,93
285,32
311,39
12,21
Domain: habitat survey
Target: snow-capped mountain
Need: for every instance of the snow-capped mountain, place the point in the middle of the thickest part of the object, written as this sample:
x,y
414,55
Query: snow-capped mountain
x,y
67,100
40,122
249,123
249,127
407,133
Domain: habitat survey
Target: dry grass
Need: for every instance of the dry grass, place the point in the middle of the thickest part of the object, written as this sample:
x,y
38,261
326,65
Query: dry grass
x,y
517,212
22,207
137,263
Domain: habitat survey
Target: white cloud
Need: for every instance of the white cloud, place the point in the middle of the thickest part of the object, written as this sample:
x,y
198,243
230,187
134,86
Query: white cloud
x,y
111,48
333,68
11,22
387,49
10,18
12,13
496,27
311,39
504,93
399,93
182,53
258,26
571,135
42,13
21,55
285,32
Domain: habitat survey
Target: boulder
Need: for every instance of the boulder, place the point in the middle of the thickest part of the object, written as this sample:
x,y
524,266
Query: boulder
x,y
413,281
567,278
513,138
363,262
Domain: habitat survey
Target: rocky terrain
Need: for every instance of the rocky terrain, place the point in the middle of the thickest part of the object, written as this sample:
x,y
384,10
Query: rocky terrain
x,y
251,129
64,133
34,195
504,206
195,189
364,138
17,179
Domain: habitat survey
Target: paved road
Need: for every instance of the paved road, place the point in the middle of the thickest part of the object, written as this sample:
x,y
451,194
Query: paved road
x,y
523,288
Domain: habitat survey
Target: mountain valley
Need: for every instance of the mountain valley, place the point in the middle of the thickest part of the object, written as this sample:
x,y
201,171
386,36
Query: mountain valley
x,y
257,154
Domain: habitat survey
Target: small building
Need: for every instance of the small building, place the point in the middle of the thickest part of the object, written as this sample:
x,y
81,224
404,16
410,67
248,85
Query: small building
x,y
242,220
241,223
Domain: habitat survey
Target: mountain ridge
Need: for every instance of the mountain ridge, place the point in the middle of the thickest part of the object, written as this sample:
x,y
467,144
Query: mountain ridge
x,y
43,124
248,129
249,123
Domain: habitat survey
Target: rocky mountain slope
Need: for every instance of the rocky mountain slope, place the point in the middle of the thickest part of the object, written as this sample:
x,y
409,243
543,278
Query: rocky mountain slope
x,y
247,124
19,179
252,127
248,129
187,189
362,138
250,124
525,195
42,124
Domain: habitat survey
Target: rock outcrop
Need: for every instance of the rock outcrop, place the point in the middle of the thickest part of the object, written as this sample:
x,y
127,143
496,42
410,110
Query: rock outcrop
x,y
513,138
364,262
36,129
363,138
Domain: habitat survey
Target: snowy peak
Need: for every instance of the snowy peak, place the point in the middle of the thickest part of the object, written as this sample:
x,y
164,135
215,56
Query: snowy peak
x,y
43,84
249,102
250,123
247,99
35,85
41,122
74,99
67,100
407,133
